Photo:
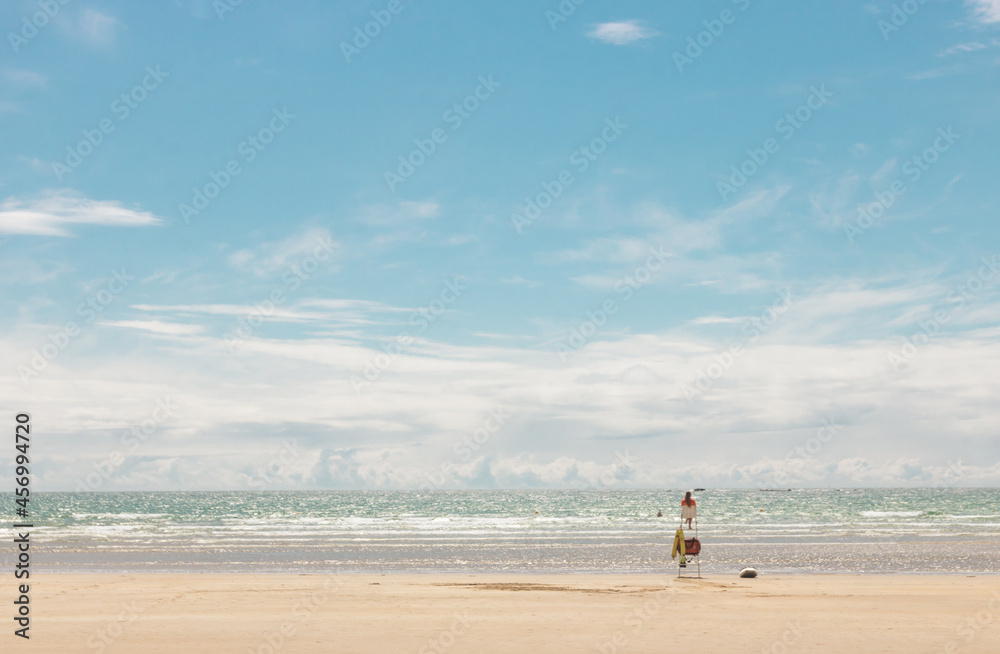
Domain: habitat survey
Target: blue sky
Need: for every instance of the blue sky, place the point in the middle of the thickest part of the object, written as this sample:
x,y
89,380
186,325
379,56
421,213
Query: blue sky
x,y
758,220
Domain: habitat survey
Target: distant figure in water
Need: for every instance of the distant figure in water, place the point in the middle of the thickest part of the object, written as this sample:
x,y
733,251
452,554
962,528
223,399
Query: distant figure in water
x,y
688,509
659,514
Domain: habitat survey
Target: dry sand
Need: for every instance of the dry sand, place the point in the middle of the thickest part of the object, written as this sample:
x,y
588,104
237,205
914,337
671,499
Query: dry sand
x,y
149,614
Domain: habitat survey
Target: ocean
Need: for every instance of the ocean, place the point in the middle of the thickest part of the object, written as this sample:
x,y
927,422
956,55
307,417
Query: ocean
x,y
516,531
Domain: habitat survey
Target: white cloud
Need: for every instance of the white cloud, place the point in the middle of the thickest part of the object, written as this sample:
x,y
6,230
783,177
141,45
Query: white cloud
x,y
963,47
28,268
157,327
280,256
837,200
36,164
187,310
987,11
201,9
26,78
327,312
682,244
49,213
460,239
621,33
826,357
520,281
717,320
403,213
934,73
880,177
93,27
622,249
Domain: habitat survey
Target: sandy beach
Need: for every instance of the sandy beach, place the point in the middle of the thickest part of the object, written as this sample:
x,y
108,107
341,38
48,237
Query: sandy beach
x,y
155,613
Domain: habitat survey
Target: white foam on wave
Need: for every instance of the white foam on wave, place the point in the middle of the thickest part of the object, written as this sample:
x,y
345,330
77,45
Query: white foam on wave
x,y
122,516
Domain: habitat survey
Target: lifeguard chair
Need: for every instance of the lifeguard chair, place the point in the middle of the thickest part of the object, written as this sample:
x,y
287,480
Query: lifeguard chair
x,y
688,548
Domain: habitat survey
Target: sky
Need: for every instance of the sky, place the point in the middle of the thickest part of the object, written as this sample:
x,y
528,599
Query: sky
x,y
577,244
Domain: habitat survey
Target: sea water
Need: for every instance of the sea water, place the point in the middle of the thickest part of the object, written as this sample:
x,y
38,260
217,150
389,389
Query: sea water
x,y
516,531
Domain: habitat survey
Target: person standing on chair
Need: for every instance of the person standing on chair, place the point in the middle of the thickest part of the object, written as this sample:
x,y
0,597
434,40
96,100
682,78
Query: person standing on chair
x,y
688,509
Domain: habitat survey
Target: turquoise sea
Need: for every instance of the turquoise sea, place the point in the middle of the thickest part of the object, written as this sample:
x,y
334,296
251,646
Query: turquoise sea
x,y
829,530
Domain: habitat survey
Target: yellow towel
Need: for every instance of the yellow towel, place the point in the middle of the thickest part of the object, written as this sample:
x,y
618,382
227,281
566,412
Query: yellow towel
x,y
678,545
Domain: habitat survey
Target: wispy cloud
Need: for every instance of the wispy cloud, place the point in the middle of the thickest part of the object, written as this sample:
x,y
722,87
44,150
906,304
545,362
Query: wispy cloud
x,y
681,234
94,28
324,311
684,242
613,388
973,46
35,164
622,33
520,281
49,213
157,327
400,214
197,8
934,73
188,310
279,256
987,11
718,320
25,78
23,269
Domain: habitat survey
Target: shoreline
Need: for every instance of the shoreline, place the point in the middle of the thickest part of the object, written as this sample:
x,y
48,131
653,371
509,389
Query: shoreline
x,y
406,557
41,572
456,613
